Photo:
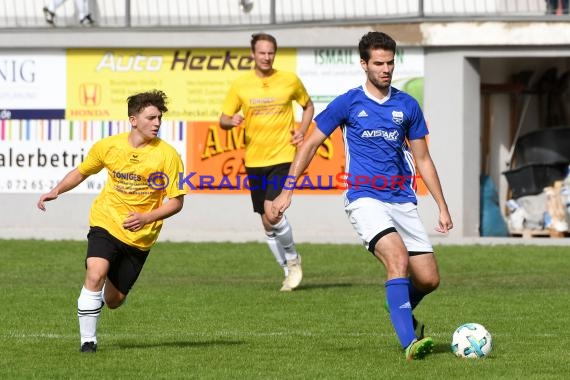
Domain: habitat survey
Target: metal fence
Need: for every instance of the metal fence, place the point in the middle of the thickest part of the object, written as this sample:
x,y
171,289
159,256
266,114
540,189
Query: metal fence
x,y
218,14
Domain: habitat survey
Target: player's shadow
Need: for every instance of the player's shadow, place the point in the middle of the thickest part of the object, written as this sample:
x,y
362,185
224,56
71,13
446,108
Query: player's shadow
x,y
182,344
441,348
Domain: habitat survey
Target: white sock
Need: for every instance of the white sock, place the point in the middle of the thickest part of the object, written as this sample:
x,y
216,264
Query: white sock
x,y
89,305
284,235
82,7
54,5
277,250
103,293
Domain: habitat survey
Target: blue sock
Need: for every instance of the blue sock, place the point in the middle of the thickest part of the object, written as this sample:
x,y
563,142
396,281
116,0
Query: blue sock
x,y
398,297
415,295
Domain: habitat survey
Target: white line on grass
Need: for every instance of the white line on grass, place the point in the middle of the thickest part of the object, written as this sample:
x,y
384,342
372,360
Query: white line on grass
x,y
201,334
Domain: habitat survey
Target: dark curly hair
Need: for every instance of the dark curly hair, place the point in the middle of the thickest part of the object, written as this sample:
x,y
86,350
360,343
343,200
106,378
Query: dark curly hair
x,y
138,102
373,41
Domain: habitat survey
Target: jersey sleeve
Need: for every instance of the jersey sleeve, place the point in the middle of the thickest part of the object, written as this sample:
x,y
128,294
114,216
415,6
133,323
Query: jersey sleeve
x,y
93,163
333,116
232,102
173,168
301,95
417,127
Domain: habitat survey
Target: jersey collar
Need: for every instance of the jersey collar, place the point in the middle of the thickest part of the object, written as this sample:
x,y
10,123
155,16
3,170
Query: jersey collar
x,y
372,97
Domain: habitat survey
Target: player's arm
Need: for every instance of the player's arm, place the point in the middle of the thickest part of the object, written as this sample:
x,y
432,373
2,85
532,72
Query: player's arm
x,y
428,172
303,157
70,181
230,116
306,118
135,221
228,122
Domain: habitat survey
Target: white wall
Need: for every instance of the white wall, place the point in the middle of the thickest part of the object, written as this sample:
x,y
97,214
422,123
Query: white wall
x,y
451,102
203,218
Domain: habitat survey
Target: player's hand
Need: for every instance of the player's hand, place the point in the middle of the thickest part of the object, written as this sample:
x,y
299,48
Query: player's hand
x,y
134,222
237,119
445,223
46,198
297,137
280,204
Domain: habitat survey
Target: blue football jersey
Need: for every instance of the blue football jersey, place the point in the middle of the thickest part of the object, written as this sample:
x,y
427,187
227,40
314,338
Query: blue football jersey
x,y
378,162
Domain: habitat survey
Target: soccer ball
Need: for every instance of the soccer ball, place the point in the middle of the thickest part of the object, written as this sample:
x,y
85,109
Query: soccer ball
x,y
471,340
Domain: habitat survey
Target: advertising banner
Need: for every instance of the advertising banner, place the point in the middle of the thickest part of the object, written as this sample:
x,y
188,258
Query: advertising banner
x,y
36,154
32,85
218,161
195,80
329,72
56,104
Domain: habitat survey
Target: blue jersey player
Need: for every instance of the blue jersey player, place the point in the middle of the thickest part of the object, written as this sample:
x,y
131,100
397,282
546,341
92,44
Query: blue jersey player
x,y
384,135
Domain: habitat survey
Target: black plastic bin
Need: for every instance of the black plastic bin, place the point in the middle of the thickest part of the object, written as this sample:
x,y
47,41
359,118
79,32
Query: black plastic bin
x,y
543,146
533,178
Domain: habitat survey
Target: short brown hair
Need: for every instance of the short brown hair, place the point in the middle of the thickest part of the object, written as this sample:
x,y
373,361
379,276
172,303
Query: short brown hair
x,y
136,103
262,37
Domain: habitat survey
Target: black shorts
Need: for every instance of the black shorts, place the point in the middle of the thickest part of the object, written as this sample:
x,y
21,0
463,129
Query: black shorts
x,y
266,183
125,262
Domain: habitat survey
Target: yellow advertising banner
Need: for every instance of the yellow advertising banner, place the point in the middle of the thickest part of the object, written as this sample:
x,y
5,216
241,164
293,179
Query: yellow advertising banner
x,y
195,80
217,161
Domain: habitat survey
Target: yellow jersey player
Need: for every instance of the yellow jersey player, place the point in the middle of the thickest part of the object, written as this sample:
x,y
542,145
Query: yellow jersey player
x,y
126,217
265,98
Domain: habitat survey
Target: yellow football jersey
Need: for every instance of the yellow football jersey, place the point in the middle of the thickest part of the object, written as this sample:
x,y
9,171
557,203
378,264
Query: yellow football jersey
x,y
128,188
267,106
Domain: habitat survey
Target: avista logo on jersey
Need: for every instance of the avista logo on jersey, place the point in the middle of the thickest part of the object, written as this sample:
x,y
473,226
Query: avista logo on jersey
x,y
386,135
398,117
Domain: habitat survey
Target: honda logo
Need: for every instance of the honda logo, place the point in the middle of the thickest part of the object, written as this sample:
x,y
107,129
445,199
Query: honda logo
x,y
89,94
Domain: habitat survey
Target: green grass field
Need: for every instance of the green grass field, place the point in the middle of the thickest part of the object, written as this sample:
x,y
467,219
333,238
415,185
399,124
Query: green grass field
x,y
213,311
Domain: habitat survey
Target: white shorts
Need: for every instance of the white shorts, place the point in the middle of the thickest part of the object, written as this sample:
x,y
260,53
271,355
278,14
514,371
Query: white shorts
x,y
370,217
